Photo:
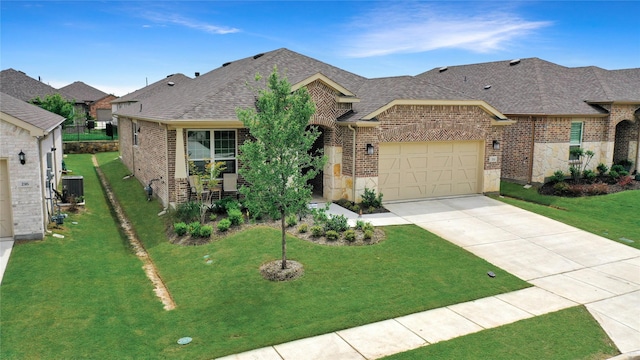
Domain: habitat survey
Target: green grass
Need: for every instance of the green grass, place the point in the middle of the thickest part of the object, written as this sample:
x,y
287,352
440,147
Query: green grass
x,y
86,296
551,336
614,216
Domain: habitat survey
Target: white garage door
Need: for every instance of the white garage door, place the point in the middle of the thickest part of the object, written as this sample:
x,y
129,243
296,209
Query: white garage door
x,y
430,169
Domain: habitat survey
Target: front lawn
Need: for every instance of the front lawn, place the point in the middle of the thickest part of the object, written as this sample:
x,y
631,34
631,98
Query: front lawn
x,y
86,295
550,336
614,216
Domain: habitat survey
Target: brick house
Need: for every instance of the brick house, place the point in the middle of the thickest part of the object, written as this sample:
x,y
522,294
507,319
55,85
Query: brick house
x,y
90,100
21,86
24,186
556,108
402,136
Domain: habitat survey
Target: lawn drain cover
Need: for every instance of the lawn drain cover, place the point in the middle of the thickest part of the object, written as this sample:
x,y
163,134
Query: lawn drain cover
x,y
491,274
628,241
184,340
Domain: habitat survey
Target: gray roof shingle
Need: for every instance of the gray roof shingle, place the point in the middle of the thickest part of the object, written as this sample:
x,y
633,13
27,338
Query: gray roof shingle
x,y
29,113
533,86
19,85
82,92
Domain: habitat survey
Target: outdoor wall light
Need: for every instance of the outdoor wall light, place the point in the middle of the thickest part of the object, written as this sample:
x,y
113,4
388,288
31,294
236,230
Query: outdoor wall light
x,y
369,149
22,157
496,145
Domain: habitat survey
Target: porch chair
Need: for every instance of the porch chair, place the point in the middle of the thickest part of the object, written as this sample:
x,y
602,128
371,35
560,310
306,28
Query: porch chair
x,y
230,183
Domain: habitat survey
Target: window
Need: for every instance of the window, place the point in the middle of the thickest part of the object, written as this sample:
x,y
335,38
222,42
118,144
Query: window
x,y
201,151
575,142
135,129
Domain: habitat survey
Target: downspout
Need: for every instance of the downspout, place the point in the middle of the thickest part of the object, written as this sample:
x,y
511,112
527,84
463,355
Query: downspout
x,y
531,154
353,166
45,210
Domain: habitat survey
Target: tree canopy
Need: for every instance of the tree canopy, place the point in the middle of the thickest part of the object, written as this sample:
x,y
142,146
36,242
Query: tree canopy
x,y
56,104
277,162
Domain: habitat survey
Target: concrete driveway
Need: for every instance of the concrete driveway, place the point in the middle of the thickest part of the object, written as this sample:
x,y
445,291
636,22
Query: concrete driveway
x,y
571,263
567,267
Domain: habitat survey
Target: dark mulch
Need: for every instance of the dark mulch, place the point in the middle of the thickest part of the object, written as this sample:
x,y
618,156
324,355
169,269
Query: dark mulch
x,y
600,186
359,209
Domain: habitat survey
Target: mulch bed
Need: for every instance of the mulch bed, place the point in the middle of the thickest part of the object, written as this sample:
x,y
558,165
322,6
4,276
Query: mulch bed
x,y
600,186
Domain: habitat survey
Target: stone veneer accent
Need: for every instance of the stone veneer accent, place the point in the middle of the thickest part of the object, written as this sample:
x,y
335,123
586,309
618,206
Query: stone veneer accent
x,y
90,147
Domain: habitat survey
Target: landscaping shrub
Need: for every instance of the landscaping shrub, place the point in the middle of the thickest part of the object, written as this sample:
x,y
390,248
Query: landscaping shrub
x,y
336,223
368,234
224,225
332,235
350,235
205,231
613,174
589,175
194,228
360,224
575,172
625,180
235,217
561,188
291,220
367,226
596,189
303,228
188,212
213,216
225,204
320,215
557,177
602,169
618,171
180,228
317,231
369,199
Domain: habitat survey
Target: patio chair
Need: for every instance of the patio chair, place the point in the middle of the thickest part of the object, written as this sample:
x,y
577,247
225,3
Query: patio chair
x,y
230,183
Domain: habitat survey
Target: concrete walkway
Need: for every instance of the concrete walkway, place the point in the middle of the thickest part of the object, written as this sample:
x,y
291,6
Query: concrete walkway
x,y
6,245
567,267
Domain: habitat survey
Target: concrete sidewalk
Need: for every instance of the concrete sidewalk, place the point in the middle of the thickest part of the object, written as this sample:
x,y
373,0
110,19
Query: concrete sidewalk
x,y
6,245
567,267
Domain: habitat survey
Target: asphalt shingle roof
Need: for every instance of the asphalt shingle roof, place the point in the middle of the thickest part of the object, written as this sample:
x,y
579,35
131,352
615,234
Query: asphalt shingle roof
x,y
82,92
19,85
534,86
152,89
29,113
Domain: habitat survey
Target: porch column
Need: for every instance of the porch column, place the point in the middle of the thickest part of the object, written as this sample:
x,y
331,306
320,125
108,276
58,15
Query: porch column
x,y
181,162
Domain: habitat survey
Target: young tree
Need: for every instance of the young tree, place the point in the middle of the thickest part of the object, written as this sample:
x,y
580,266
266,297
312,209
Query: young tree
x,y
276,162
204,181
57,105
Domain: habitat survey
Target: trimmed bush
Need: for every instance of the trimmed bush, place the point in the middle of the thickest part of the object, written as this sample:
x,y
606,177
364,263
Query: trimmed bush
x,y
332,235
560,188
291,220
213,216
350,235
205,231
303,228
367,226
336,223
596,189
235,216
369,199
589,175
224,225
360,224
317,231
188,212
602,169
194,228
557,177
368,234
180,228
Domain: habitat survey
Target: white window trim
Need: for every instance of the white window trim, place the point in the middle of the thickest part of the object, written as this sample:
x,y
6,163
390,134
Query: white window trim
x,y
576,144
136,129
213,146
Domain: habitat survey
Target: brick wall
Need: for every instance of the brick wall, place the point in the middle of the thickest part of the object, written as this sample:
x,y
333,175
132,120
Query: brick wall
x,y
104,103
25,181
150,158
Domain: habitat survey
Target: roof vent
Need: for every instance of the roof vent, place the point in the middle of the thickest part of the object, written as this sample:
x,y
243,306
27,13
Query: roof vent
x,y
443,69
171,83
170,75
514,62
197,74
486,87
257,56
225,64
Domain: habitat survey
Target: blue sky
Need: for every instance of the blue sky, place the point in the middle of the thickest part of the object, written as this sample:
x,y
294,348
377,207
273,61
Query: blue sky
x,y
118,47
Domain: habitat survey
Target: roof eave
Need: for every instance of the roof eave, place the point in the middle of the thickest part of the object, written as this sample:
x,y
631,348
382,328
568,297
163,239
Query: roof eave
x,y
480,103
173,124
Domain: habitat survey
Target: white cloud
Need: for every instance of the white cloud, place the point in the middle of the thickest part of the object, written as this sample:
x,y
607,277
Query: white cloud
x,y
414,27
189,23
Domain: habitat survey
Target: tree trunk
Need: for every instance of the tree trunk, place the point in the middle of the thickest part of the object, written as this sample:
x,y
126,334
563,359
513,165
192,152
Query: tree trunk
x,y
284,242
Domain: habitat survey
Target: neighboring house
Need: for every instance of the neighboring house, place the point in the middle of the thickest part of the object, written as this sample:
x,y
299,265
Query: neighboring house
x,y
90,100
147,91
21,86
556,108
400,136
29,131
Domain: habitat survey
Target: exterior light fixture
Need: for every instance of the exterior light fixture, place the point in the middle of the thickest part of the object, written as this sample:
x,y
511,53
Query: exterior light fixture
x,y
496,145
22,157
369,149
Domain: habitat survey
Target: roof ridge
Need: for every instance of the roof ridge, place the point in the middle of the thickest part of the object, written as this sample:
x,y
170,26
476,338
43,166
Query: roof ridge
x,y
603,84
542,91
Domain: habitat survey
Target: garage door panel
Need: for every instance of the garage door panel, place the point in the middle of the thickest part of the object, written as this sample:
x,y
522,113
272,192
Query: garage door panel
x,y
421,170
